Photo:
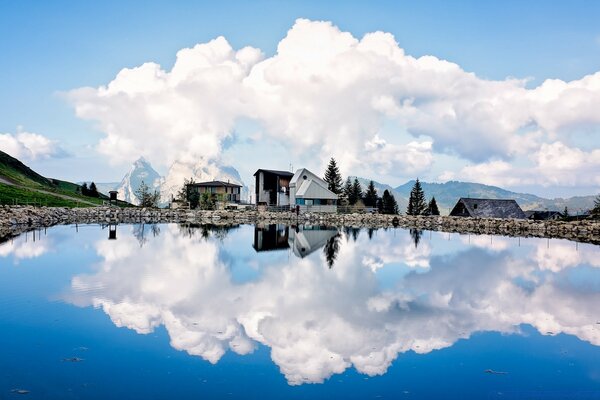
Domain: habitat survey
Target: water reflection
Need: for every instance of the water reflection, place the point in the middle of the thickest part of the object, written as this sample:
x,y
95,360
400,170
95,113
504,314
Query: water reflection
x,y
319,321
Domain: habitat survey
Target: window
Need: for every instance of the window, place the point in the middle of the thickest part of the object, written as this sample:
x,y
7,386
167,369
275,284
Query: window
x,y
300,202
475,206
308,202
305,177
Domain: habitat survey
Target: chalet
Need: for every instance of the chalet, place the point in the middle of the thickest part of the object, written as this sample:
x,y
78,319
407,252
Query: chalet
x,y
311,193
543,215
487,208
273,187
220,191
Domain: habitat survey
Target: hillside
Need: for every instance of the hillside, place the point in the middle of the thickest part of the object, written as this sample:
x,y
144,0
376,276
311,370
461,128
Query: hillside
x,y
19,184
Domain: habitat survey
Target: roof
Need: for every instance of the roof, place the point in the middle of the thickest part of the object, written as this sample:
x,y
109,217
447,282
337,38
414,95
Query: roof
x,y
214,183
542,215
490,208
312,189
275,172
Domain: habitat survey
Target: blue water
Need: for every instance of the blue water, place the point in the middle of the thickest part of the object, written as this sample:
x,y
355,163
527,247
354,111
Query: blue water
x,y
274,312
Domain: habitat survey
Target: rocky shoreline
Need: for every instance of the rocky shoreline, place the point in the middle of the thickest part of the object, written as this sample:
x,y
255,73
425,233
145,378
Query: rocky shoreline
x,y
18,219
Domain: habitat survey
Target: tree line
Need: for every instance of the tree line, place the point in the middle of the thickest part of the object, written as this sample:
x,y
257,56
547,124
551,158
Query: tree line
x,y
351,193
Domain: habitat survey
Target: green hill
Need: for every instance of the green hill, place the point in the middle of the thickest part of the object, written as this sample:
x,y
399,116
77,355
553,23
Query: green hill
x,y
19,184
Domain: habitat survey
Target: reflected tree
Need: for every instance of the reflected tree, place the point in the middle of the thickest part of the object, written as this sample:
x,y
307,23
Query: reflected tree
x,y
416,236
331,249
370,232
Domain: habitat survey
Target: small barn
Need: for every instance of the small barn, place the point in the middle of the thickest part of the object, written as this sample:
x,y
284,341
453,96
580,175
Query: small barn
x,y
487,208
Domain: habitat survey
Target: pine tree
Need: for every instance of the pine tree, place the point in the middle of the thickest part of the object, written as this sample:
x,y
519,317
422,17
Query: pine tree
x,y
333,177
416,201
388,203
432,208
596,210
371,195
93,190
356,194
566,213
84,189
146,197
182,194
347,190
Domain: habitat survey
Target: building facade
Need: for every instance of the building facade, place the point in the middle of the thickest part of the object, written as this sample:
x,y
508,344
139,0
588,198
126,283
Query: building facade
x,y
310,193
219,191
272,187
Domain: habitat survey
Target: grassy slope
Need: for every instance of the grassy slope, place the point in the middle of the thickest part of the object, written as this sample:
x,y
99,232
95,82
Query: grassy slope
x,y
12,194
17,172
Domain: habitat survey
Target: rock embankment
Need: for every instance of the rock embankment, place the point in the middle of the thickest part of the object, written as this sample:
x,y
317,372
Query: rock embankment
x,y
16,219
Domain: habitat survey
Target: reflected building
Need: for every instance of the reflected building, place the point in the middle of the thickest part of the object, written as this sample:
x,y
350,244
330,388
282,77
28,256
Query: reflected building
x,y
271,237
305,240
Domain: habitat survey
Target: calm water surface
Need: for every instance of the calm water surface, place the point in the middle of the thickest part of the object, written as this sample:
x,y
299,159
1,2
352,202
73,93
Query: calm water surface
x,y
276,312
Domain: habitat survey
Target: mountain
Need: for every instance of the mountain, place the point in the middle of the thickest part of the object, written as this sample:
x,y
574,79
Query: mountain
x,y
169,185
381,187
447,194
200,172
140,171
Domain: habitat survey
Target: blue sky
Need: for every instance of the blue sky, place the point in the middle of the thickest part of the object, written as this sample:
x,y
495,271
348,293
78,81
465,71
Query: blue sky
x,y
50,48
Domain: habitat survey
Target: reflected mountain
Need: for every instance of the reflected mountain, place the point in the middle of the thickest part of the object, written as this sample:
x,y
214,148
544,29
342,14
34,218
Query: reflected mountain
x,y
383,298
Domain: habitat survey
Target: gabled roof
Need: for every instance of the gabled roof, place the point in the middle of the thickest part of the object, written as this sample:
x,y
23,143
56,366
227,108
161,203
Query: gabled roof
x,y
215,183
286,174
312,189
490,208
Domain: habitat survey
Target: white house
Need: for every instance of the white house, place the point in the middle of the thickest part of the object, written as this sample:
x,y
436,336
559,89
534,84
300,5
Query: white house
x,y
310,193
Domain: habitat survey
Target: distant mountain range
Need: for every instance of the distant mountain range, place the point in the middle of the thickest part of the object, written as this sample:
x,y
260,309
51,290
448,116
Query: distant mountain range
x,y
447,194
142,171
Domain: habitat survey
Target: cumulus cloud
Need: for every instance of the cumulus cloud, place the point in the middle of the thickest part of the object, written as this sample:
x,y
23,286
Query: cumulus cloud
x,y
325,92
29,146
299,307
553,164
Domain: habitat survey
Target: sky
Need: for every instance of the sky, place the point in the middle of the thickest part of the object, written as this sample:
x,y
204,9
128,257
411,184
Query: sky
x,y
504,93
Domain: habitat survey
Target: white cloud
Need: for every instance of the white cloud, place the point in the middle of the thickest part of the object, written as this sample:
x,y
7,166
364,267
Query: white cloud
x,y
29,146
553,164
327,93
298,307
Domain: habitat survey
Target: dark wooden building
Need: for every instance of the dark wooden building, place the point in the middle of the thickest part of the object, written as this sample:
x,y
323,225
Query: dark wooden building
x,y
487,208
220,191
273,187
543,215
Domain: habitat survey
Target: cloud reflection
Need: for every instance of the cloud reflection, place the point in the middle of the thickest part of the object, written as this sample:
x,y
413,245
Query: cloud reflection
x,y
319,321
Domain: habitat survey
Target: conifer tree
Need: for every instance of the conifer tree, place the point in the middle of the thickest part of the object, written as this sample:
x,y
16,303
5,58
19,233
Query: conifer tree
x,y
566,213
356,194
416,201
388,203
432,208
84,189
93,192
347,190
146,197
371,195
333,177
596,210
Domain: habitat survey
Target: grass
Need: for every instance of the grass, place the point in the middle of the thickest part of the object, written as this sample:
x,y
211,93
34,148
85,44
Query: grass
x,y
8,195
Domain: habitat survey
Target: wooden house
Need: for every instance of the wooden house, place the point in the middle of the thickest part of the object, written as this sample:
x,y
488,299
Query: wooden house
x,y
487,208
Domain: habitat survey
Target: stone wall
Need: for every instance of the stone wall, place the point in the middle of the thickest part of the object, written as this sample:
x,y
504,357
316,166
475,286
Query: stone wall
x,y
17,219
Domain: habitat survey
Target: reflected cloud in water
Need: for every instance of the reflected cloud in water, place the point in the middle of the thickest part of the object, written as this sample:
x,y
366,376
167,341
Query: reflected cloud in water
x,y
319,321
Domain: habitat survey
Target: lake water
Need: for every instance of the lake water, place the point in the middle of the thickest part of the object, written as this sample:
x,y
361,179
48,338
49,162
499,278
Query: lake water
x,y
276,312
